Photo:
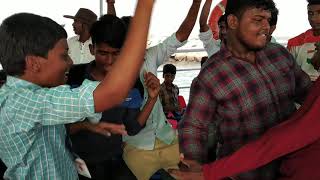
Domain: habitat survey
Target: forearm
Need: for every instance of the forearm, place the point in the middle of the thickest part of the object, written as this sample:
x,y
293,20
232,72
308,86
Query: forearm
x,y
79,126
111,8
146,110
187,25
121,78
204,16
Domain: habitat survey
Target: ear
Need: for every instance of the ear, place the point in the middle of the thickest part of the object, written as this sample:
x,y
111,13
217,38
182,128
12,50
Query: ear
x,y
33,63
91,47
233,21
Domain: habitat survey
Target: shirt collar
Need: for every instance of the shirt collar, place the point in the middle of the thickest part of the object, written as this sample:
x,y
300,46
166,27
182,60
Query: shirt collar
x,y
15,82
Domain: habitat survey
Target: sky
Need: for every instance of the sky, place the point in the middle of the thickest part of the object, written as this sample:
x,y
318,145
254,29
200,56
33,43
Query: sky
x,y
166,17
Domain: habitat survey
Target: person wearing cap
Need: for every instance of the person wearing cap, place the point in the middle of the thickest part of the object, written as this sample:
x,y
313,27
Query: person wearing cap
x,y
79,44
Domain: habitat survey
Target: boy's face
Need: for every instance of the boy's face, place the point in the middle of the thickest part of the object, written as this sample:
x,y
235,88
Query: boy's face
x,y
105,55
253,28
314,17
168,78
55,68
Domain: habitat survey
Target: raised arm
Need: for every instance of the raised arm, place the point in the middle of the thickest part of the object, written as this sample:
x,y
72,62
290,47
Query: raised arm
x,y
111,8
117,83
187,25
153,87
204,16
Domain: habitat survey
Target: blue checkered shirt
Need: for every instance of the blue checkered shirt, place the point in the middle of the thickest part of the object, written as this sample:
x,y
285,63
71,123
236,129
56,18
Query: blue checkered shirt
x,y
32,132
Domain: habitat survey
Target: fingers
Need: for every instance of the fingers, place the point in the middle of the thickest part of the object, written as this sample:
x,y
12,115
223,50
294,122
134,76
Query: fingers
x,y
151,80
113,128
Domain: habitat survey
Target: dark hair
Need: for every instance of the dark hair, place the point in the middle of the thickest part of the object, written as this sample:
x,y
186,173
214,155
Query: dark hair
x,y
313,2
3,75
203,60
109,29
169,68
237,7
26,34
126,20
222,18
274,17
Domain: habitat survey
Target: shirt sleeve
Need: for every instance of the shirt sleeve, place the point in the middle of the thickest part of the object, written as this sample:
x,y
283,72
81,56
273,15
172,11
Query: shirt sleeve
x,y
276,142
61,105
193,128
209,43
164,50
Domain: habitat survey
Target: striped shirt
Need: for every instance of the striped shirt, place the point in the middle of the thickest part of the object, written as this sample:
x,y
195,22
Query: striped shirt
x,y
243,99
32,132
169,96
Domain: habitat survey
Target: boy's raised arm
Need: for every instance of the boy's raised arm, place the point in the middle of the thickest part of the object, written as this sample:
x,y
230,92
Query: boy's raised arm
x,y
111,8
116,85
204,16
188,23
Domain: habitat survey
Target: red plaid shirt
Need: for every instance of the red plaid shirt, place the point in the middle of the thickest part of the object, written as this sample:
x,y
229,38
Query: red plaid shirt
x,y
243,99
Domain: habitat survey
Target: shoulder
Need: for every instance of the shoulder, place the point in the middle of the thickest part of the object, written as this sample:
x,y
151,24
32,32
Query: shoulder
x,y
298,40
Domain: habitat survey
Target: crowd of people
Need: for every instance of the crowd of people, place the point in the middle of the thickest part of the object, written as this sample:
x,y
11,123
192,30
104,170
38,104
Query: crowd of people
x,y
92,107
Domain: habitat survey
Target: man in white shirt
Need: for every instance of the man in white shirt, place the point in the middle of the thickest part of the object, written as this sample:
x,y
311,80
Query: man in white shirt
x,y
79,44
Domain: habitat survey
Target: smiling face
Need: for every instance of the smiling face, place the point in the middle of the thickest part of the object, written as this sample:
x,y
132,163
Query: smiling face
x,y
54,69
314,18
252,28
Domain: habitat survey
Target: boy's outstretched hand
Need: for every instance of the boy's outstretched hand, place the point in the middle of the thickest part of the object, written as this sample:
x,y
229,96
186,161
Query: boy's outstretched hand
x,y
188,170
153,84
107,129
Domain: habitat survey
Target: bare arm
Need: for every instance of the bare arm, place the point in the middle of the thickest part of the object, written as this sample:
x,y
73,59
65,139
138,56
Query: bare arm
x,y
187,25
153,86
204,16
103,128
111,8
117,83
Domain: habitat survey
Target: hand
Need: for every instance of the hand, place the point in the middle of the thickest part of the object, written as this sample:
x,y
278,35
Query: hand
x,y
188,170
153,84
107,129
315,60
110,1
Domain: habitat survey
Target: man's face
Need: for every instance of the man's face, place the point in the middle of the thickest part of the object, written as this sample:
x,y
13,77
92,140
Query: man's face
x,y
105,55
55,68
314,17
77,26
253,28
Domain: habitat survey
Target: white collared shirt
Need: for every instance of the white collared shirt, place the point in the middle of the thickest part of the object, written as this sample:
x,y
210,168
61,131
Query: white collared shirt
x,y
79,52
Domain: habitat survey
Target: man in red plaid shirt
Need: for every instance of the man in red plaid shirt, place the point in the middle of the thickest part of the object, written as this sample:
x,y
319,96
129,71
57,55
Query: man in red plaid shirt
x,y
245,88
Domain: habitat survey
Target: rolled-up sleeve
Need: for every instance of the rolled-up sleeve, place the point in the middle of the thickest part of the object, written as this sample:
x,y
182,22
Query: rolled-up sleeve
x,y
209,44
62,105
164,50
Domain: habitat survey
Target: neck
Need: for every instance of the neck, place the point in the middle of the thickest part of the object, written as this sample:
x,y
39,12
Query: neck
x,y
238,50
84,37
98,73
316,32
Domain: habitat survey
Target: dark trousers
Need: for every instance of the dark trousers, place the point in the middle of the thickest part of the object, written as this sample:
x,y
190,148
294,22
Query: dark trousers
x,y
115,169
